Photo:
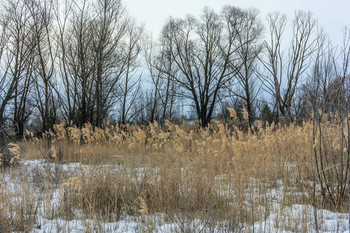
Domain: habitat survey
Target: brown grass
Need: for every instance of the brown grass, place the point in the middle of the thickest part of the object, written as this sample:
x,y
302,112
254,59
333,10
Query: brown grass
x,y
185,171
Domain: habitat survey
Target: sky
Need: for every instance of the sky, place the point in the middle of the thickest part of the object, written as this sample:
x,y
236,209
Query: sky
x,y
332,15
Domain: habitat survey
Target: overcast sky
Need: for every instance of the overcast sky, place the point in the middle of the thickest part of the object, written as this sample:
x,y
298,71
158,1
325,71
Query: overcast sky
x,y
333,15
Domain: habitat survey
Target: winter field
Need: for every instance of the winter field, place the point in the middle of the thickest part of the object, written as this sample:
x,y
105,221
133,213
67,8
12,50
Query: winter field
x,y
170,178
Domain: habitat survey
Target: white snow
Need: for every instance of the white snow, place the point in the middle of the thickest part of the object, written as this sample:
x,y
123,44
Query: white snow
x,y
280,219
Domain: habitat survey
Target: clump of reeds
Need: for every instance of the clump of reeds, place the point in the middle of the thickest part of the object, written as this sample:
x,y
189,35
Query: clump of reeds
x,y
221,169
10,155
18,206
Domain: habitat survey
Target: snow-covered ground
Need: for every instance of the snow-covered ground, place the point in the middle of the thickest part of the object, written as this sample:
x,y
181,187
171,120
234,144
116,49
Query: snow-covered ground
x,y
279,219
329,222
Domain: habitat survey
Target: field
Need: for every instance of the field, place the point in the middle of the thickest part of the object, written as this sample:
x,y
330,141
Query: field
x,y
170,178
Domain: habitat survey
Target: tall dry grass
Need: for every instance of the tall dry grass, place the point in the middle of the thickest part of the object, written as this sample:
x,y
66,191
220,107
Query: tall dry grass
x,y
18,205
216,174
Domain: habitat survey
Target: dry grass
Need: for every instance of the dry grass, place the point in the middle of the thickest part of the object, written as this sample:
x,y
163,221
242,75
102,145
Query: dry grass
x,y
18,206
219,174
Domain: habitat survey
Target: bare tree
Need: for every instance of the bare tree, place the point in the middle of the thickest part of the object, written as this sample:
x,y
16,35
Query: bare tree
x,y
78,54
328,84
249,40
3,70
342,95
41,13
130,83
314,94
18,54
283,72
111,28
202,50
67,97
164,90
99,53
156,80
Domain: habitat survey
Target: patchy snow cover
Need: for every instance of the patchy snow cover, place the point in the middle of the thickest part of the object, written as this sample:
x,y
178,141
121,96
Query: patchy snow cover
x,y
299,217
302,217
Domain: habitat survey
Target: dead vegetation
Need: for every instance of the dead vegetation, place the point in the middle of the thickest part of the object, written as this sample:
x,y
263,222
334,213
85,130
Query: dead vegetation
x,y
220,175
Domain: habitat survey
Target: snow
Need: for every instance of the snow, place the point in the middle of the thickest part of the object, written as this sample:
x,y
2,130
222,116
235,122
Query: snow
x,y
280,219
301,217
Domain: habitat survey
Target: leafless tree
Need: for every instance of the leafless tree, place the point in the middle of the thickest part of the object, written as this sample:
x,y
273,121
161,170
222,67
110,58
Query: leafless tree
x,y
41,13
82,59
343,74
314,94
18,54
3,70
164,93
77,59
99,52
203,50
328,83
249,40
130,83
67,97
284,71
111,26
156,80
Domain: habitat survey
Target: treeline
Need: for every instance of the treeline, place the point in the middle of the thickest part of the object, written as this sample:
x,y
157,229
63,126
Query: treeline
x,y
88,61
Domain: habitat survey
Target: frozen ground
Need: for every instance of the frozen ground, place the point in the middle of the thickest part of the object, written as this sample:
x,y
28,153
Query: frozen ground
x,y
330,222
279,220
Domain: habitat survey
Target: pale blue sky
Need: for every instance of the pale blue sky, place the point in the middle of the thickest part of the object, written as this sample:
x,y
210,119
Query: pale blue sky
x,y
333,15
